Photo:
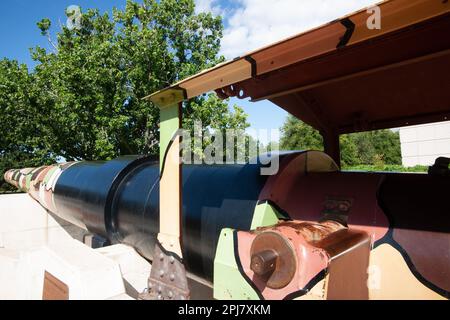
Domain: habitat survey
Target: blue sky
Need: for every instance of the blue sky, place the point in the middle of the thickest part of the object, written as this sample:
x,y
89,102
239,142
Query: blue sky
x,y
249,24
18,18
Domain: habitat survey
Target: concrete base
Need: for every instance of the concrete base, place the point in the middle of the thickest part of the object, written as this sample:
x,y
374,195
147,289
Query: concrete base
x,y
33,244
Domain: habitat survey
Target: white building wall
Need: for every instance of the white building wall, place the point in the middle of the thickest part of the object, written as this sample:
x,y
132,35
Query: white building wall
x,y
422,144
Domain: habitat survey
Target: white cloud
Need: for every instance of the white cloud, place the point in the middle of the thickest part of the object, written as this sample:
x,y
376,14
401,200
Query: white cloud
x,y
256,23
202,6
209,6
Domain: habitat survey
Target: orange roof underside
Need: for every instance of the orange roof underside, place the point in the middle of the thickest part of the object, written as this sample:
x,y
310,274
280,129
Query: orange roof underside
x,y
344,77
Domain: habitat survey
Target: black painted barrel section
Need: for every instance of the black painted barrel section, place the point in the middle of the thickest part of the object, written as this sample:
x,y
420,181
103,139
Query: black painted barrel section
x,y
216,197
135,209
119,200
82,191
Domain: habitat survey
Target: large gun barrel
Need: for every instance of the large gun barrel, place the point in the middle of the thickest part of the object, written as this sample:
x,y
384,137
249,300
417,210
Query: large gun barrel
x,y
119,200
278,236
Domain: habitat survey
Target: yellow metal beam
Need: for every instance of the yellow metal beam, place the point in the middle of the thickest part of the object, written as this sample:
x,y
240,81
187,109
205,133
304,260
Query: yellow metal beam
x,y
170,175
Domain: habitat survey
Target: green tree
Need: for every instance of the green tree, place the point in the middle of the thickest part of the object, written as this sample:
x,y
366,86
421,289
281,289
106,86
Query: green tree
x,y
387,145
20,130
93,83
349,151
375,147
366,148
297,135
83,100
215,117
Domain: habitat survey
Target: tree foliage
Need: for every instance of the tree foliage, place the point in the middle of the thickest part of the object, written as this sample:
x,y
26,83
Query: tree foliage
x,y
102,69
84,100
20,116
366,148
297,135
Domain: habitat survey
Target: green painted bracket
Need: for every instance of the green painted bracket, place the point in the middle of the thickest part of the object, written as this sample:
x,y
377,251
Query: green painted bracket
x,y
228,281
169,125
265,215
229,284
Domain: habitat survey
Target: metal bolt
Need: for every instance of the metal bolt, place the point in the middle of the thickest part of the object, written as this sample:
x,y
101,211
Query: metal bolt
x,y
172,260
172,277
161,273
160,289
264,263
161,257
170,294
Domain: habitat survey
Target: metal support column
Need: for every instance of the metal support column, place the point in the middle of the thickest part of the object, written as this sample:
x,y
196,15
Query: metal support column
x,y
168,279
332,145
